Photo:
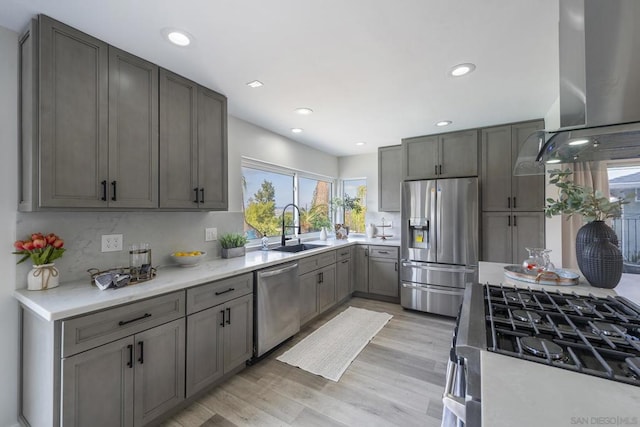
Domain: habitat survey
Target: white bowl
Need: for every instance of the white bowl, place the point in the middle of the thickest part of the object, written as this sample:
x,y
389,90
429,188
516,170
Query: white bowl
x,y
188,260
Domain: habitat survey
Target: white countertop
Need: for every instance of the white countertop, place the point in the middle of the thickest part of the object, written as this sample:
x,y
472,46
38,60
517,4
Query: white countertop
x,y
524,393
80,297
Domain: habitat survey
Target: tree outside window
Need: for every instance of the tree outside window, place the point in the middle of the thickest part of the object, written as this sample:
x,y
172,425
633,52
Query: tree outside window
x,y
354,204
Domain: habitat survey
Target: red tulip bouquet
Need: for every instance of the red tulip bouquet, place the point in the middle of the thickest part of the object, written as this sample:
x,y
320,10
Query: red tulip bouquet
x,y
40,248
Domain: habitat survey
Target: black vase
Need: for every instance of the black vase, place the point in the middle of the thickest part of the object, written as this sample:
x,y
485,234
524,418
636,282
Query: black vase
x,y
602,263
588,233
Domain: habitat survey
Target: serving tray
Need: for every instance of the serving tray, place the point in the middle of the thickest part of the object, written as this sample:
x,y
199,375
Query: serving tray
x,y
558,277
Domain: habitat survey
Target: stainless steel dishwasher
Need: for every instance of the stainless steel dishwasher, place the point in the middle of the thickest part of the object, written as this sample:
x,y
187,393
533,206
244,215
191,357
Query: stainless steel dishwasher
x,y
277,308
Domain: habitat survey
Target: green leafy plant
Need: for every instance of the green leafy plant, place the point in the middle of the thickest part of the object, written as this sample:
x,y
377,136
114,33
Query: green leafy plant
x,y
232,240
577,199
347,203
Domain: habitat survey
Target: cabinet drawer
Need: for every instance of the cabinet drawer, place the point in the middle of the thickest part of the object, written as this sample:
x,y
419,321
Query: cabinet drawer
x,y
343,253
383,252
85,332
315,262
202,297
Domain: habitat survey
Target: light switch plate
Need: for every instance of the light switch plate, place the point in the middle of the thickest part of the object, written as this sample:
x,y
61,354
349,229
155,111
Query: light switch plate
x,y
111,242
210,234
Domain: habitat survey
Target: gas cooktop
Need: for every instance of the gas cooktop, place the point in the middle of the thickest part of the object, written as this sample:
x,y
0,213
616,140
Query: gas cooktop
x,y
587,334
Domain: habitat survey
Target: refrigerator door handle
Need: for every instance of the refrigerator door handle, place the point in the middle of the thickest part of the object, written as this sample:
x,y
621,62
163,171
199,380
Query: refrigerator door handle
x,y
436,268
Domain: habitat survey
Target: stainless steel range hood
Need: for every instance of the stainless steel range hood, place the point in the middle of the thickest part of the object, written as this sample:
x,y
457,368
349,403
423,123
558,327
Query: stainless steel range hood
x,y
599,87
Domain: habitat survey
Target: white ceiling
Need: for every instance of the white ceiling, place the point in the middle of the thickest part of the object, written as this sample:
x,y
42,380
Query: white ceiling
x,y
373,71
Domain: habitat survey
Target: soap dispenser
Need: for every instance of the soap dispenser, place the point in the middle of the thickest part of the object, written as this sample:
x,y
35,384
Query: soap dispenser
x,y
265,242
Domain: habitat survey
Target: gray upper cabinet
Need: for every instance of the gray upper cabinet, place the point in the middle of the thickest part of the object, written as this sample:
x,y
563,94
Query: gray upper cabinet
x,y
501,190
389,178
73,117
193,145
441,156
133,131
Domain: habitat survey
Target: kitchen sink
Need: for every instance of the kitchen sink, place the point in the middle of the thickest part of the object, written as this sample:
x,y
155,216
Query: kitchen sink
x,y
297,248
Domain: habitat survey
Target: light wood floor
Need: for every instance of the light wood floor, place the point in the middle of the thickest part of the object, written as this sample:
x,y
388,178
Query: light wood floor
x,y
397,380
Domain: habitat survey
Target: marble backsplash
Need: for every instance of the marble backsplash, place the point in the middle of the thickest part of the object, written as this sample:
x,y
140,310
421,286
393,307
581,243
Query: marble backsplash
x,y
166,232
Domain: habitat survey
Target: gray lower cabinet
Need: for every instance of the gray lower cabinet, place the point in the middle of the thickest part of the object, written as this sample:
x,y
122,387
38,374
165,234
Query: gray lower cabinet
x,y
128,382
308,296
317,283
446,155
89,122
505,235
343,279
389,178
376,270
193,145
327,288
219,330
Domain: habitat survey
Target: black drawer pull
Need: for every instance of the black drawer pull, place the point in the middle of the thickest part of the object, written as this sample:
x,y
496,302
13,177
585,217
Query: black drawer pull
x,y
383,252
222,324
224,292
345,261
228,316
126,322
104,190
113,185
130,363
141,358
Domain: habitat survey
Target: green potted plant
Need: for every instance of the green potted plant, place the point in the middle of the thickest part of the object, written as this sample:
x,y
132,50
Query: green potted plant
x,y
233,245
346,204
597,253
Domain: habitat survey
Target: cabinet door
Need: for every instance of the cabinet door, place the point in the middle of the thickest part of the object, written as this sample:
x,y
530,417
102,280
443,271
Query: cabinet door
x,y
528,232
383,276
497,168
361,269
212,149
133,131
159,371
238,332
178,141
389,178
97,386
73,117
327,288
528,191
343,279
496,237
420,157
204,348
458,154
308,296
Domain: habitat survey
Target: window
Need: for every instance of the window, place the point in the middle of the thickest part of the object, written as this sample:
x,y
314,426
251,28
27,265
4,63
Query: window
x,y
624,182
267,189
354,204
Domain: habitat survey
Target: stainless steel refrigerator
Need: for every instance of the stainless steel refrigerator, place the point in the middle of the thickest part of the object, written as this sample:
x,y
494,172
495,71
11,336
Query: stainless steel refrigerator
x,y
439,243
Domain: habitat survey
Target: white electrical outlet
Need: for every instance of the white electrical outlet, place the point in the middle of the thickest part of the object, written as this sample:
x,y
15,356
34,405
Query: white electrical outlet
x,y
111,242
210,234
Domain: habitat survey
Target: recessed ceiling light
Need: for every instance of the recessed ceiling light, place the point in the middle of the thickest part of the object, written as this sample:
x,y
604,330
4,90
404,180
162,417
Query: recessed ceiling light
x,y
361,143
553,161
178,37
444,123
304,111
579,142
255,83
296,130
462,69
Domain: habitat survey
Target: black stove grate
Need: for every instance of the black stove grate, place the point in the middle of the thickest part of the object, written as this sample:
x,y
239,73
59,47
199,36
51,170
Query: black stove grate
x,y
587,334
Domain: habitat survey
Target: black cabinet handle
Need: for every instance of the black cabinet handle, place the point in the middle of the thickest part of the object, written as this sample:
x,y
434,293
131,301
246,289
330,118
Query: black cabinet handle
x,y
113,186
436,171
224,292
396,266
222,324
104,190
202,195
515,224
130,363
383,252
509,220
345,261
514,202
440,170
195,190
509,202
125,322
228,316
141,358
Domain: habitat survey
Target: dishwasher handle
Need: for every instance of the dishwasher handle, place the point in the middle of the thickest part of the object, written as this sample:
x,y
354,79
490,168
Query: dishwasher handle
x,y
278,271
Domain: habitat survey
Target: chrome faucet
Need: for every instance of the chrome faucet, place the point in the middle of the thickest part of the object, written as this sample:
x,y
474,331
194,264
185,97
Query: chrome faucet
x,y
283,240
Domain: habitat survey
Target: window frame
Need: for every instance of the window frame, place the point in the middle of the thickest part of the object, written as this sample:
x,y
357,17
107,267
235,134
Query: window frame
x,y
260,165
